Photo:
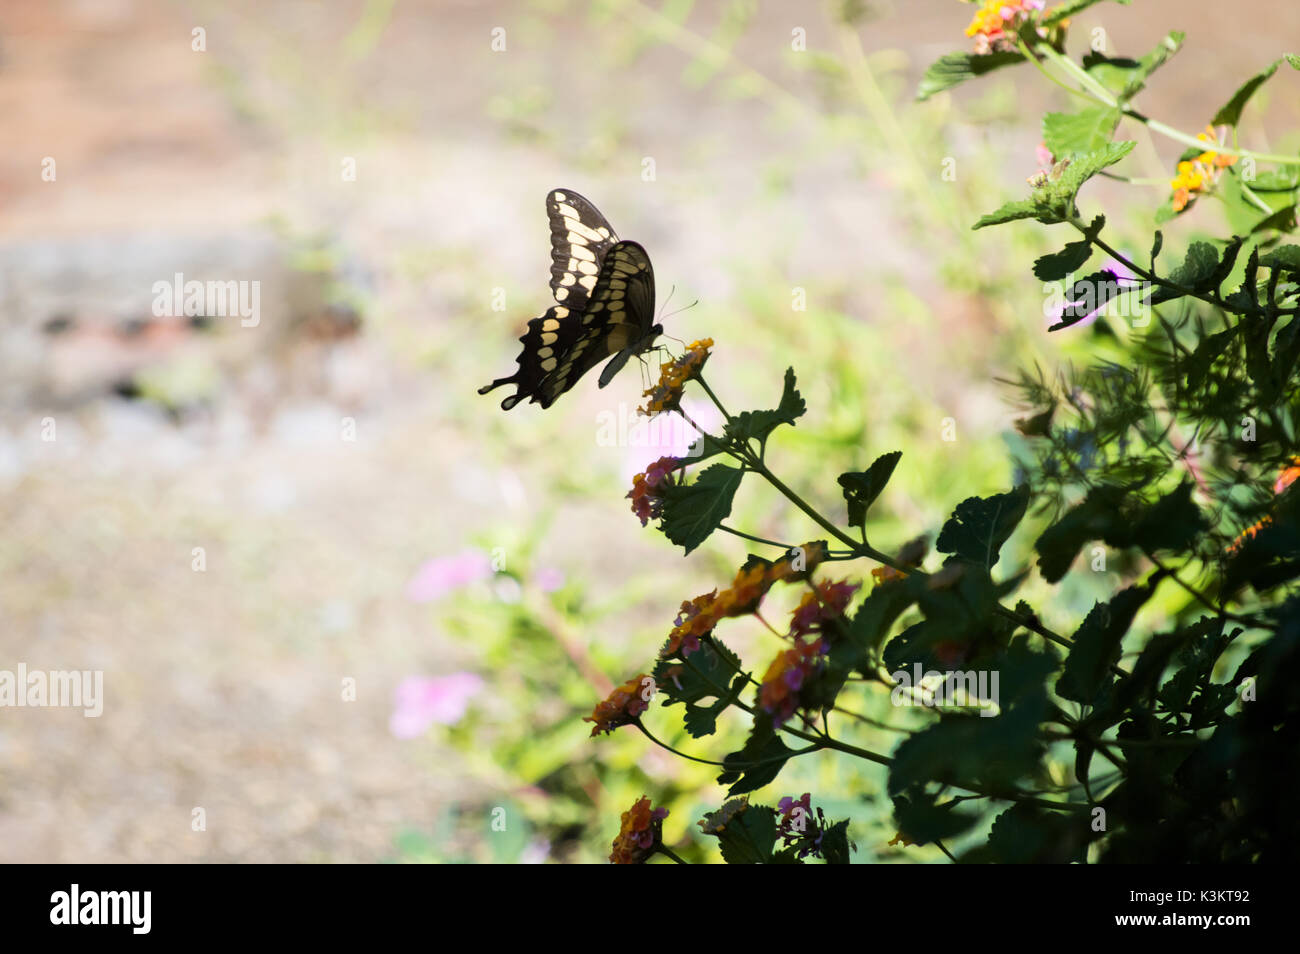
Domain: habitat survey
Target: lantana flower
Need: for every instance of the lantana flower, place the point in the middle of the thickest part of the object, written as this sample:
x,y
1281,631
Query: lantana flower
x,y
667,394
647,488
826,601
790,671
623,705
695,619
699,616
1199,174
996,23
641,833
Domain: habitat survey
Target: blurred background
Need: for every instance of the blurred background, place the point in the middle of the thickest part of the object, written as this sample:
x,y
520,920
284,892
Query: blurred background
x,y
346,609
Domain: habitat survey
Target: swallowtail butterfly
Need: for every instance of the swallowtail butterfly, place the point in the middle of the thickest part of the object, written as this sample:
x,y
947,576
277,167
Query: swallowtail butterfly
x,y
604,305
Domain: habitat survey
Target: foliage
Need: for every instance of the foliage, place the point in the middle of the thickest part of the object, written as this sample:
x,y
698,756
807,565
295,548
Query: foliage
x,y
1169,465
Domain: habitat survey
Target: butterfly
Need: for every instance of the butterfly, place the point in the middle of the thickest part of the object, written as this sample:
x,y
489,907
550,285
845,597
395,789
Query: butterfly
x,y
604,293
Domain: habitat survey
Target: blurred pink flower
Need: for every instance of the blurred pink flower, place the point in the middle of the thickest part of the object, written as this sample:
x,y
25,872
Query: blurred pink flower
x,y
668,435
435,578
1044,156
420,701
548,579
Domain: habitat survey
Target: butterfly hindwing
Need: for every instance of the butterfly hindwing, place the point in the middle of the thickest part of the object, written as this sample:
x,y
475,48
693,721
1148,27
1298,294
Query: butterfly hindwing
x,y
605,296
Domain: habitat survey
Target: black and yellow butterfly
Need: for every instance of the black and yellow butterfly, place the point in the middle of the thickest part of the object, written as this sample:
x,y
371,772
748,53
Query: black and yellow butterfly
x,y
605,298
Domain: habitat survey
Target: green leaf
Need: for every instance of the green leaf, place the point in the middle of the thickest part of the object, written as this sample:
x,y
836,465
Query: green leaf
x,y
708,673
693,511
1285,257
757,425
1090,295
956,68
1068,9
749,837
758,762
980,525
1023,209
1173,523
1088,130
1097,646
862,488
921,821
1095,518
1126,77
1197,269
1230,114
1054,267
835,843
1026,834
1086,166
994,751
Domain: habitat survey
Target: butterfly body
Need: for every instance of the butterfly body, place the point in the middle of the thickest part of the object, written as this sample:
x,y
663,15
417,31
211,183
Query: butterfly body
x,y
605,296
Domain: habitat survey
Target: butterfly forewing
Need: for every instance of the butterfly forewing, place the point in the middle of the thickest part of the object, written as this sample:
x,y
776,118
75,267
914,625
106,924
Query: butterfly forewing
x,y
580,237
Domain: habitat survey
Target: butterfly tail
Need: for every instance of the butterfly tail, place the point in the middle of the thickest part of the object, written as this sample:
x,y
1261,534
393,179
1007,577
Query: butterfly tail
x,y
509,402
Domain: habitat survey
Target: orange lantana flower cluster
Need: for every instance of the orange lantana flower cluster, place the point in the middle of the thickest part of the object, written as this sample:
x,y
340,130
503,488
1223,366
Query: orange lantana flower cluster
x,y
699,616
640,834
791,670
667,394
996,22
622,706
1199,174
778,694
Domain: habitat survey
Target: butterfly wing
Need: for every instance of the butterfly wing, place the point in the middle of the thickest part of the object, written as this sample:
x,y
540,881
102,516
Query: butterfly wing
x,y
563,345
580,239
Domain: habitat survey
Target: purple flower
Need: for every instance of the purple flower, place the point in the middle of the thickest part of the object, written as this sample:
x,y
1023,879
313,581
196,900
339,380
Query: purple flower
x,y
435,578
419,702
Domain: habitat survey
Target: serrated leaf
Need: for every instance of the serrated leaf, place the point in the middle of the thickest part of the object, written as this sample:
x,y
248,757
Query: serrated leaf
x,y
1285,257
861,488
759,761
1057,265
757,425
1025,834
835,843
1085,131
1098,641
980,525
1086,166
1023,209
956,68
693,511
749,837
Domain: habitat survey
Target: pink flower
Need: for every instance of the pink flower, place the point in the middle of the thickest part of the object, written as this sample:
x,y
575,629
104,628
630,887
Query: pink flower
x,y
668,435
419,702
548,579
435,578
